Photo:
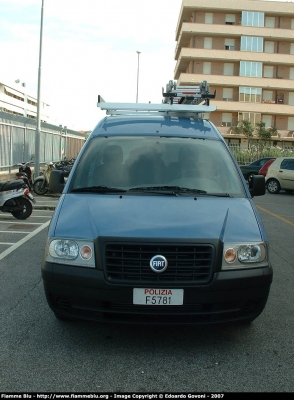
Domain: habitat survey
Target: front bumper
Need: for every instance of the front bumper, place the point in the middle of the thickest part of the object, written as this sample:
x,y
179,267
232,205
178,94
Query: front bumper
x,y
74,292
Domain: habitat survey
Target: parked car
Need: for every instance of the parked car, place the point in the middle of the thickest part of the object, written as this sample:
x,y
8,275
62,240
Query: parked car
x,y
263,170
253,168
280,175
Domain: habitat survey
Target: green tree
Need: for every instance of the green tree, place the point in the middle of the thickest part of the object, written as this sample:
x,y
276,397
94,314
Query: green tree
x,y
265,134
245,128
262,132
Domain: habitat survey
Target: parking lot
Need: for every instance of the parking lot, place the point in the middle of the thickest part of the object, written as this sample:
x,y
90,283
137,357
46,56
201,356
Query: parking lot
x,y
14,232
40,353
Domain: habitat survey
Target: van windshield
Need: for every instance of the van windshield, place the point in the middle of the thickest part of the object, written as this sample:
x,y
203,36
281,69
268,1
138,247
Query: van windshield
x,y
134,162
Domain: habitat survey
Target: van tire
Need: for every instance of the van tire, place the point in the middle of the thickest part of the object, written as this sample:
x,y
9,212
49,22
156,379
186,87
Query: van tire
x,y
62,317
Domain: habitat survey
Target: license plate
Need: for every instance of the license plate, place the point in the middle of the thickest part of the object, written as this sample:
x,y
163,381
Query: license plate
x,y
158,297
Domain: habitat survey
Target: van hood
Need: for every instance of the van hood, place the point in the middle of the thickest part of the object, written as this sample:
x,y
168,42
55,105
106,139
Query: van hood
x,y
88,216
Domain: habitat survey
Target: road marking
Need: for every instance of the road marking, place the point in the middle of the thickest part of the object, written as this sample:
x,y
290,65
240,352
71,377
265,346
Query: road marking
x,y
22,241
8,244
20,223
276,215
14,232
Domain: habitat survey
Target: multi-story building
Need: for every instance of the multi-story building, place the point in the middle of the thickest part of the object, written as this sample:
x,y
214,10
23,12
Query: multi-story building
x,y
245,51
15,99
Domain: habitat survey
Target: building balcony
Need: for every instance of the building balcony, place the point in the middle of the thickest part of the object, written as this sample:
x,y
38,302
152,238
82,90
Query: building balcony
x,y
263,108
190,30
270,8
235,81
229,56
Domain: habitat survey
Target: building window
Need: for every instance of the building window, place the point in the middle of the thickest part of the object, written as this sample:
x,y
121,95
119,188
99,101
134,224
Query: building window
x,y
252,117
229,69
253,69
268,71
250,94
227,94
207,43
229,44
291,98
207,68
250,18
269,47
226,119
230,19
208,18
291,123
269,22
267,96
249,43
267,119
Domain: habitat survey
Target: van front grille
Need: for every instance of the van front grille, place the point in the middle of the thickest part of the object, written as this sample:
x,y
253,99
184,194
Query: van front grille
x,y
130,263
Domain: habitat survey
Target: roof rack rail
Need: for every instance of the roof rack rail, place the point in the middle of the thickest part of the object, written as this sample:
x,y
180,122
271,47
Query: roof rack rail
x,y
182,100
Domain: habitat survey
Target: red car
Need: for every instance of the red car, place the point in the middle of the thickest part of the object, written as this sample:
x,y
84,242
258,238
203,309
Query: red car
x,y
264,168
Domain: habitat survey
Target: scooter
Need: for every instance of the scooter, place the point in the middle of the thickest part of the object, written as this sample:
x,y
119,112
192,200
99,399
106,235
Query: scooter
x,y
41,183
16,198
25,173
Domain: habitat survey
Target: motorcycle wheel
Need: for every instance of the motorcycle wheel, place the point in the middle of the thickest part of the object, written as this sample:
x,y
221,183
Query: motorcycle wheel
x,y
26,211
40,187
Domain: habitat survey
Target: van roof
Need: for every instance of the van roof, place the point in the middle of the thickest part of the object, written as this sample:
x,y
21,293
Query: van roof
x,y
157,126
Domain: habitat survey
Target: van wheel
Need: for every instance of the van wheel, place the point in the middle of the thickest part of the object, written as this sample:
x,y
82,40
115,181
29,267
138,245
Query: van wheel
x,y
62,317
273,186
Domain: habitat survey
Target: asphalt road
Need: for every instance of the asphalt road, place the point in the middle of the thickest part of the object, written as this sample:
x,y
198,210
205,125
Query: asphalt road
x,y
39,353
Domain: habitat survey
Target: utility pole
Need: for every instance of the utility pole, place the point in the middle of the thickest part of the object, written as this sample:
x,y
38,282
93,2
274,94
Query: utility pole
x,y
38,127
138,52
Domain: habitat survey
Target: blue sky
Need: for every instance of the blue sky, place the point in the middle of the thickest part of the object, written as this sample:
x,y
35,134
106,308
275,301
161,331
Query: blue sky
x,y
89,48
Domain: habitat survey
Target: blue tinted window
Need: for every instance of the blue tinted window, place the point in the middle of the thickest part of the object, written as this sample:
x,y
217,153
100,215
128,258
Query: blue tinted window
x,y
249,43
250,18
248,68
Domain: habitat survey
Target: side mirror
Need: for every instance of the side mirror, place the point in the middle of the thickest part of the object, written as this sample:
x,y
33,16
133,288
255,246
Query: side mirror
x,y
57,180
257,185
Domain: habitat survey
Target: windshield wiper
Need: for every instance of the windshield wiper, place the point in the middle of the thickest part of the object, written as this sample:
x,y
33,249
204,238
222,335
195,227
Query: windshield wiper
x,y
98,189
220,194
173,190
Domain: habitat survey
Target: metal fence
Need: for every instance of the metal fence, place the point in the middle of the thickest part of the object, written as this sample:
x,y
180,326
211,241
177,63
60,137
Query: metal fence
x,y
257,150
17,141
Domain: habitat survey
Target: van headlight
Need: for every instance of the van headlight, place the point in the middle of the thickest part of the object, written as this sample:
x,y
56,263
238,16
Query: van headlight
x,y
245,255
70,251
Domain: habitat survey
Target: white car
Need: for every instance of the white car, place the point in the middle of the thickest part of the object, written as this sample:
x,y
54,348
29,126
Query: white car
x,y
280,175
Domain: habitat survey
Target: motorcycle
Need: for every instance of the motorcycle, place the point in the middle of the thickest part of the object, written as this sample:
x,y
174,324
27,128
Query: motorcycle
x,y
16,198
41,183
25,173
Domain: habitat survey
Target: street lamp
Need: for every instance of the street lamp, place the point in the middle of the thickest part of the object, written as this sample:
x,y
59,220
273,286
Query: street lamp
x,y
138,52
38,127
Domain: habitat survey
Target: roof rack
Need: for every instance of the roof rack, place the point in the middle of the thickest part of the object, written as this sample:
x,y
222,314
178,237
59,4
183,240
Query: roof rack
x,y
182,100
187,94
